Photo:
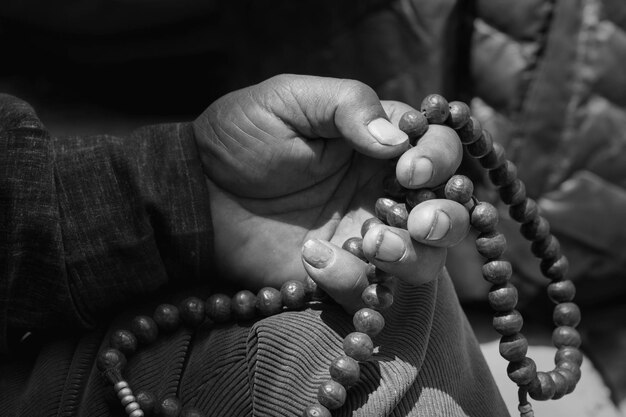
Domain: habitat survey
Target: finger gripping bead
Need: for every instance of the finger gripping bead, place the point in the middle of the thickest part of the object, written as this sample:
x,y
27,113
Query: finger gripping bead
x,y
368,224
415,197
377,296
397,216
435,108
382,207
414,124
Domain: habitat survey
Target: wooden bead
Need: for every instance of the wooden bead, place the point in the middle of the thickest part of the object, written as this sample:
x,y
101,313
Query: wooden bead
x,y
542,388
525,211
368,321
382,207
269,301
522,372
127,399
459,188
218,308
147,401
124,341
526,410
354,245
435,108
495,158
145,329
514,347
566,314
504,175
345,370
169,407
167,317
482,146
471,132
137,413
566,336
191,412
554,269
572,367
570,378
368,224
393,189
497,271
513,193
491,245
131,407
508,323
192,311
376,275
560,384
536,229
397,216
377,296
316,410
331,394
459,114
568,354
561,291
414,124
293,294
110,359
503,297
548,248
484,217
243,305
358,345
415,197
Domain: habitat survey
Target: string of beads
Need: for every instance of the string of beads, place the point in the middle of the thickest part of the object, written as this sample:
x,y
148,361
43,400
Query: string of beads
x,y
344,371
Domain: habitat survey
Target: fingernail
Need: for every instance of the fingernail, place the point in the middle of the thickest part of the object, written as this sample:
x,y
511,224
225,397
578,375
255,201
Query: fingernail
x,y
386,133
389,246
421,172
316,253
440,226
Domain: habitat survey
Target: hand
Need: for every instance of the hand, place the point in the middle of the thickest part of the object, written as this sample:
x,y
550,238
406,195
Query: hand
x,y
300,159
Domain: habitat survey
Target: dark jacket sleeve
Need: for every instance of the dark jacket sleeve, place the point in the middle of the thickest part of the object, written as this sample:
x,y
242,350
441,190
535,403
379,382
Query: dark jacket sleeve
x,y
87,223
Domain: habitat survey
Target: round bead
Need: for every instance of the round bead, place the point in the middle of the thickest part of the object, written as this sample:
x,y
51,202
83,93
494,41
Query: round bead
x,y
566,314
504,175
133,406
554,269
169,407
484,217
345,370
147,401
392,188
376,275
525,211
459,114
471,132
415,197
542,388
293,294
354,245
331,394
243,305
145,329
397,216
435,108
191,412
124,341
358,345
570,378
508,323
128,399
491,245
377,296
167,317
368,321
316,410
482,146
514,347
560,384
503,297
382,207
137,413
269,301
459,188
218,308
561,291
536,229
548,248
118,386
513,193
566,336
568,354
522,372
497,271
495,158
414,124
125,393
572,367
368,224
111,359
192,311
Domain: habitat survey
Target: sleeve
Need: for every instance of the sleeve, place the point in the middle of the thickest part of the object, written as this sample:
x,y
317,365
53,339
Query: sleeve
x,y
88,223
